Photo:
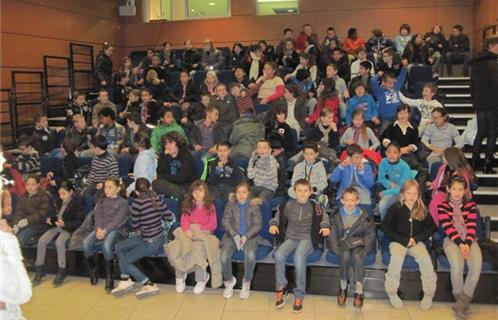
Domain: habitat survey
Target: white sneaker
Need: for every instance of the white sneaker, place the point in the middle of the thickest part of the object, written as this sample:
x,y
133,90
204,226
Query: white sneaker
x,y
200,286
180,284
123,287
246,289
147,291
228,292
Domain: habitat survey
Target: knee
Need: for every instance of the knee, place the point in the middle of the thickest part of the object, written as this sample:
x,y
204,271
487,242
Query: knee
x,y
299,261
280,256
224,256
60,243
250,255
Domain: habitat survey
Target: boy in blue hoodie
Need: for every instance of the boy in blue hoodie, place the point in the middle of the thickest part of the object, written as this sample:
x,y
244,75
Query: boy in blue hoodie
x,y
356,172
364,101
393,173
387,94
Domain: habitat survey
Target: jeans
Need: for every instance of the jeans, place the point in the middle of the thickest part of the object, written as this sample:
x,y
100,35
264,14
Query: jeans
x,y
133,249
385,203
419,252
436,56
60,245
228,248
455,57
356,259
169,189
457,264
221,191
263,193
486,128
302,249
28,236
108,243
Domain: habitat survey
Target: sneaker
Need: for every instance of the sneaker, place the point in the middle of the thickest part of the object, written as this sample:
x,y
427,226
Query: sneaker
x,y
358,300
396,301
246,289
200,286
342,296
298,305
124,286
180,284
281,297
228,292
147,290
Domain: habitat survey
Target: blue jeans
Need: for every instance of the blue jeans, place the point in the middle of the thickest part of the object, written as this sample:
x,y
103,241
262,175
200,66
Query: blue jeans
x,y
108,243
228,247
28,236
134,249
385,203
302,249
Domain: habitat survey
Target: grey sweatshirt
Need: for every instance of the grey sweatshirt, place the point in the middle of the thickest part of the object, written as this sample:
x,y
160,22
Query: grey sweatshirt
x,y
314,173
371,140
263,171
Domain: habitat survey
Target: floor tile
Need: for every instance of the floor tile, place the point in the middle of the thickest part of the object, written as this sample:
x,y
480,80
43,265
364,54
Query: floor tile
x,y
106,313
33,311
80,298
46,296
153,313
64,313
344,314
244,315
108,300
190,314
170,300
205,301
287,314
256,302
382,315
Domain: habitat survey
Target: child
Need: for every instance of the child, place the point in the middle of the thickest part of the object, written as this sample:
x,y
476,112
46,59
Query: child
x,y
279,131
110,214
147,215
78,136
198,222
104,102
186,91
242,222
354,171
132,106
113,132
312,170
404,134
45,139
387,94
135,127
210,82
458,218
301,223
359,133
341,60
226,105
247,131
352,238
168,124
440,135
305,62
364,77
393,173
176,168
206,133
331,72
194,111
32,210
402,38
365,102
146,163
426,105
362,61
326,135
80,106
28,162
263,171
454,164
407,225
244,97
223,174
70,214
328,100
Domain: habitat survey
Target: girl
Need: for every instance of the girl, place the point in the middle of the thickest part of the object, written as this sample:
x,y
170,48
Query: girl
x,y
363,101
360,134
198,222
149,108
210,82
304,63
328,100
402,38
70,215
237,56
185,90
273,86
326,135
146,163
242,222
133,104
147,214
404,134
110,214
458,218
126,66
155,85
454,164
407,225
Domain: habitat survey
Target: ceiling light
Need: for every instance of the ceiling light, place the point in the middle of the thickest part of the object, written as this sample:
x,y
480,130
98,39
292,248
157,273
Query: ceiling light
x,y
290,10
192,10
212,3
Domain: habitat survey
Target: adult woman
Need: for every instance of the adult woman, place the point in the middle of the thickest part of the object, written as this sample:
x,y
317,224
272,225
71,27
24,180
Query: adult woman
x,y
273,86
103,66
416,51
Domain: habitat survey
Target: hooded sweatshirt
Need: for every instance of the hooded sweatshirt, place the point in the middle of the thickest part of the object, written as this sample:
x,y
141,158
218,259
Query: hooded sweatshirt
x,y
161,130
388,99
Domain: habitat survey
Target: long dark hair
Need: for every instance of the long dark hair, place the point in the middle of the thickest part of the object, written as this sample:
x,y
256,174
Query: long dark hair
x,y
457,162
189,202
142,185
329,90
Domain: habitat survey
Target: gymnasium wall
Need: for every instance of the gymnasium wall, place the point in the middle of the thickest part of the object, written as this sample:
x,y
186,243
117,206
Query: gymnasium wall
x,y
485,14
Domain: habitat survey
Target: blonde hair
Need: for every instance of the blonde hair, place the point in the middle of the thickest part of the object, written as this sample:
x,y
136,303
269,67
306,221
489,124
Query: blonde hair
x,y
153,77
214,75
419,210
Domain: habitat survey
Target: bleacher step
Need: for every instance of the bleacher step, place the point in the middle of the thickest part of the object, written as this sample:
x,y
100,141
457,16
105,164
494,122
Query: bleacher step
x,y
455,86
458,95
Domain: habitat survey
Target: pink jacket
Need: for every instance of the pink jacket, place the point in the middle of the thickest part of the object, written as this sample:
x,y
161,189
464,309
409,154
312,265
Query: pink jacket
x,y
206,219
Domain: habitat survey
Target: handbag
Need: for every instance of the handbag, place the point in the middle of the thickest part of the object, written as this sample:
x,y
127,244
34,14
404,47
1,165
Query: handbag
x,y
350,243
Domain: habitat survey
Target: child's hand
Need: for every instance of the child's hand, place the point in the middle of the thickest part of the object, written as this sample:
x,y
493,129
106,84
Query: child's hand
x,y
404,62
380,73
274,230
325,232
411,242
197,147
4,226
360,166
371,148
333,125
348,141
59,223
49,221
195,227
465,250
428,184
99,186
264,101
405,150
184,120
346,162
125,150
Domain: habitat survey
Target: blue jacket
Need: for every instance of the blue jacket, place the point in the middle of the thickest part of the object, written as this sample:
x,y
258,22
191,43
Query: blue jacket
x,y
345,175
365,103
398,173
388,100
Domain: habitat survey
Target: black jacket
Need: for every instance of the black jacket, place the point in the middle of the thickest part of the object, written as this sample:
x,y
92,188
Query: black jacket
x,y
74,214
179,170
484,81
286,60
398,227
280,133
231,174
364,227
191,92
459,43
103,69
43,140
189,58
418,54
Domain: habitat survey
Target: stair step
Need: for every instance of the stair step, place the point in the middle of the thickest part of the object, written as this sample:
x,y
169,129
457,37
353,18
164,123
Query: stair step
x,y
487,176
457,95
454,78
458,105
486,191
454,86
468,155
461,115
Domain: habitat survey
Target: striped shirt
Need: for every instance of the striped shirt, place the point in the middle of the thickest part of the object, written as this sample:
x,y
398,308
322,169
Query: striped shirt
x,y
469,213
147,214
103,166
29,163
245,103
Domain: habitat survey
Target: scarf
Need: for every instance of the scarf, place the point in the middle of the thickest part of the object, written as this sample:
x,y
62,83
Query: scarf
x,y
356,135
325,132
355,213
457,216
254,70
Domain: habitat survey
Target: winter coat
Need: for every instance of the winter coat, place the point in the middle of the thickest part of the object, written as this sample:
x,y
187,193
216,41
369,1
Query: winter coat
x,y
484,81
247,131
363,227
36,208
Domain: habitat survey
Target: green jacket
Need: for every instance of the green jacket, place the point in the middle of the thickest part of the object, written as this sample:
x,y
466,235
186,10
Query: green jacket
x,y
161,130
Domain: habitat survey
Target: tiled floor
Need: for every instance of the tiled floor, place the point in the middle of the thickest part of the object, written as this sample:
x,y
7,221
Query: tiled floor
x,y
76,299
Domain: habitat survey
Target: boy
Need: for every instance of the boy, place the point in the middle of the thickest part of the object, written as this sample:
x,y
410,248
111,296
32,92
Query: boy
x,y
28,162
111,130
301,223
104,102
247,131
168,124
388,63
458,50
223,173
263,170
78,136
135,127
226,105
356,172
387,95
206,133
326,135
342,62
426,105
340,86
364,76
80,106
364,101
352,238
312,170
45,139
243,96
361,53
194,111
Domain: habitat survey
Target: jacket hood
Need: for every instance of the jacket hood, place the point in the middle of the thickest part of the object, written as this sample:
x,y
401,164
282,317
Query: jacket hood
x,y
485,55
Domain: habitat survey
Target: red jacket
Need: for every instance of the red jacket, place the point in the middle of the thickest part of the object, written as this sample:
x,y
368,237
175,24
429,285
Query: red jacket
x,y
351,45
301,39
331,103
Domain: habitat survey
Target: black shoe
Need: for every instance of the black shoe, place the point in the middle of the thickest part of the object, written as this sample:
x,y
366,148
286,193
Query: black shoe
x,y
37,280
342,296
281,297
358,300
298,305
475,162
109,272
91,265
59,277
488,167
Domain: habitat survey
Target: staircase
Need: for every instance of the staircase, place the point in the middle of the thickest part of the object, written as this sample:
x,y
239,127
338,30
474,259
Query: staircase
x,y
458,103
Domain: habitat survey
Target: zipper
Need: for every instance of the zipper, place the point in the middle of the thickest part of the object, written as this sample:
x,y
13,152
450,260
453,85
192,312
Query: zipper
x,y
300,212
